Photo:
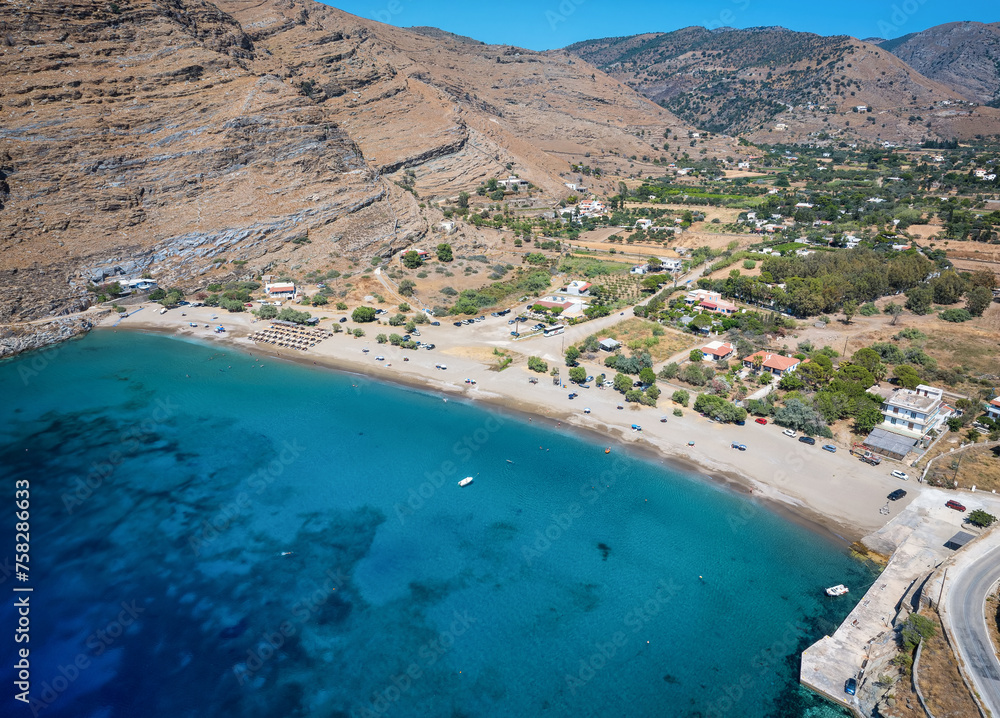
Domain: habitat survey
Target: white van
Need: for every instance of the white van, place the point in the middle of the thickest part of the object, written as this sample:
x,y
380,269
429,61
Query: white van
x,y
163,311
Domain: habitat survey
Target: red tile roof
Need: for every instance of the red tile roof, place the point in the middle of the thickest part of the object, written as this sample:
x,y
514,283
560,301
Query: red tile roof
x,y
773,361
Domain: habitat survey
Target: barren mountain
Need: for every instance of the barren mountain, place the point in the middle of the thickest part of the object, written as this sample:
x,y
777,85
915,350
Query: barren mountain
x,y
965,56
763,81
196,140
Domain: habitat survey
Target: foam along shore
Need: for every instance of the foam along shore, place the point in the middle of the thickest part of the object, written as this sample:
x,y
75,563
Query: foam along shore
x,y
835,491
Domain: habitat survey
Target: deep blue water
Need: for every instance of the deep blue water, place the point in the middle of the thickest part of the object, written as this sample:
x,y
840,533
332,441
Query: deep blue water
x,y
168,477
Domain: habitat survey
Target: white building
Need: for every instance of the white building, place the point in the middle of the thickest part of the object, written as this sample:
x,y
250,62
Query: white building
x,y
513,183
578,288
993,409
280,289
912,413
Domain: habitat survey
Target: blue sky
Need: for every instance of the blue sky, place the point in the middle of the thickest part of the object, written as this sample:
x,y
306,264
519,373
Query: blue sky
x,y
546,24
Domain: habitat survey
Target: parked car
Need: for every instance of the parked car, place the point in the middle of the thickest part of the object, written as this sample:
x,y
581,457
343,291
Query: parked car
x,y
458,324
343,319
955,505
896,495
380,358
573,395
830,447
789,432
851,686
807,440
897,474
589,378
760,420
435,324
741,447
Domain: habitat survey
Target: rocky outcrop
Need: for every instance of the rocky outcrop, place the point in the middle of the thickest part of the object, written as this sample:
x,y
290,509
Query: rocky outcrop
x,y
15,340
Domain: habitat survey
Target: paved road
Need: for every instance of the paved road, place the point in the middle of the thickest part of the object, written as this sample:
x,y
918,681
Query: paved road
x,y
966,611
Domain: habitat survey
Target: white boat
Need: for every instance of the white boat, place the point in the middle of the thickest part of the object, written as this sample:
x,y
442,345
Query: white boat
x,y
466,481
838,590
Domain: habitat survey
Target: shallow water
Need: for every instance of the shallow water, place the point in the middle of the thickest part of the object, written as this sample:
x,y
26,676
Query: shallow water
x,y
168,478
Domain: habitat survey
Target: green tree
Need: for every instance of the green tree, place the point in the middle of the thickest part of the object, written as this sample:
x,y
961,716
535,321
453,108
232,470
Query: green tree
x,y
849,308
669,371
267,311
381,338
906,376
358,333
653,392
696,355
341,306
948,287
622,382
444,252
893,310
980,518
919,299
463,202
406,287
536,364
680,397
363,314
319,300
977,300
412,260
572,356
404,307
578,374
647,376
867,419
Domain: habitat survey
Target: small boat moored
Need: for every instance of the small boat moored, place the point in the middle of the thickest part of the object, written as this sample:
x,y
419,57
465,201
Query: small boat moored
x,y
838,590
466,481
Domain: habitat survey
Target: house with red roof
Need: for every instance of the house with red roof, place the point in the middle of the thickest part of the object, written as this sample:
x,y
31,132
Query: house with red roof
x,y
993,409
718,306
775,363
717,351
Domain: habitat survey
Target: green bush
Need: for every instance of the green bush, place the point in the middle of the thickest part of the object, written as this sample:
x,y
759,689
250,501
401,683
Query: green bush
x,y
363,314
536,364
680,397
868,310
955,315
678,412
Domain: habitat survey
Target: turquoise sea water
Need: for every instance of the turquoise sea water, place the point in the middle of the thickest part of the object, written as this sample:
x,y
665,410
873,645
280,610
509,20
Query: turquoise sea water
x,y
167,479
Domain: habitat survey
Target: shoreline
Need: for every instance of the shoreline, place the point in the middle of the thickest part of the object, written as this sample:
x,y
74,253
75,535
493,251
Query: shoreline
x,y
809,504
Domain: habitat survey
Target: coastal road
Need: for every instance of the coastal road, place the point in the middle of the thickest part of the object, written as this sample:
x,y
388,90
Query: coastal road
x,y
966,609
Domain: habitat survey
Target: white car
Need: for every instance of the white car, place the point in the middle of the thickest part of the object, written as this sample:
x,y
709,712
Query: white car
x,y
789,432
900,475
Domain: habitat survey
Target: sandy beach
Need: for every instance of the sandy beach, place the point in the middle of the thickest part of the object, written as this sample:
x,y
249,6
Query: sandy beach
x,y
833,492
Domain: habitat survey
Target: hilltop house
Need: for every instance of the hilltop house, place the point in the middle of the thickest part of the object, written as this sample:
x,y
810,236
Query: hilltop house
x,y
513,183
776,364
139,285
993,409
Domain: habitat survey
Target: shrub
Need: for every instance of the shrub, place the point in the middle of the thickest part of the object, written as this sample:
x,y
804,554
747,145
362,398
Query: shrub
x,y
536,364
955,315
363,314
868,310
680,397
980,518
678,412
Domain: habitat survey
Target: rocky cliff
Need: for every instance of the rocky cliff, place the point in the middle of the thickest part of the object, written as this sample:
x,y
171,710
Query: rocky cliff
x,y
194,141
